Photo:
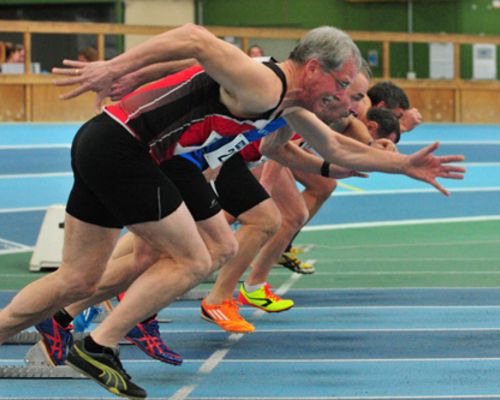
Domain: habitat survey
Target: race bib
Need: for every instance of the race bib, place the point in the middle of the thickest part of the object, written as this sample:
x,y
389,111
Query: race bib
x,y
218,156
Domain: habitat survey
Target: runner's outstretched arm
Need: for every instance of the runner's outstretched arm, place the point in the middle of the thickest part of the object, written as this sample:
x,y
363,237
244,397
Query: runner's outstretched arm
x,y
348,153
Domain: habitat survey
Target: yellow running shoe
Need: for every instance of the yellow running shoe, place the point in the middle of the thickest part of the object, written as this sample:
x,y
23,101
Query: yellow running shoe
x,y
292,262
297,250
226,315
264,299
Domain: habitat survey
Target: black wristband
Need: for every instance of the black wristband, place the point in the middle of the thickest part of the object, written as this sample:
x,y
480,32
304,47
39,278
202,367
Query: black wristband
x,y
325,169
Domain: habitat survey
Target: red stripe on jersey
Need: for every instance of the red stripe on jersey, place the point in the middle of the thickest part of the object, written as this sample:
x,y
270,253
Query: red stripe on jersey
x,y
169,80
251,152
198,132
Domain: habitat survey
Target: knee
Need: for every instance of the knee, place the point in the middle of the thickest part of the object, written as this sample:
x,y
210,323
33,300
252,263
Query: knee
x,y
143,259
296,218
325,190
79,286
223,252
274,223
200,266
270,224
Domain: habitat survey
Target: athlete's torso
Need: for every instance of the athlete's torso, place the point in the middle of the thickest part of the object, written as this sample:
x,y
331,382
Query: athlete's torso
x,y
183,112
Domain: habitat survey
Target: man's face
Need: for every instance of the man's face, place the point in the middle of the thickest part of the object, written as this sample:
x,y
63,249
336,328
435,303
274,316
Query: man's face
x,y
398,112
350,105
357,92
326,92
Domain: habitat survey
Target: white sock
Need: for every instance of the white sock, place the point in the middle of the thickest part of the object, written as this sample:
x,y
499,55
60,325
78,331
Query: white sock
x,y
253,288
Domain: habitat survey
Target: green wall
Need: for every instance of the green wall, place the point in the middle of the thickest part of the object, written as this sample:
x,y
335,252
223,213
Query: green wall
x,y
449,16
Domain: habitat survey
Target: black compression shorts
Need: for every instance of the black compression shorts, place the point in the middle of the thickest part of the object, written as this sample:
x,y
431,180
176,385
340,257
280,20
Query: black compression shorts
x,y
196,192
117,183
237,188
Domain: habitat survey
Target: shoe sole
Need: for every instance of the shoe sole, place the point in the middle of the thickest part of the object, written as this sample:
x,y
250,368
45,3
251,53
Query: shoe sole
x,y
301,271
266,310
224,329
171,362
102,384
43,346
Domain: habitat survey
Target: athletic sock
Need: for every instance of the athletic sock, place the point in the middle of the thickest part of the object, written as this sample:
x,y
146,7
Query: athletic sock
x,y
149,319
92,346
63,318
253,288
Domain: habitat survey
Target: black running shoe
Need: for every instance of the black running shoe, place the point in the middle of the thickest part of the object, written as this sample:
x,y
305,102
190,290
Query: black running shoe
x,y
104,368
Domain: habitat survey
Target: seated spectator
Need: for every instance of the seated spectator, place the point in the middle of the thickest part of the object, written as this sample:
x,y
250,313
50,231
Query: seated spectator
x,y
14,53
88,54
14,59
255,51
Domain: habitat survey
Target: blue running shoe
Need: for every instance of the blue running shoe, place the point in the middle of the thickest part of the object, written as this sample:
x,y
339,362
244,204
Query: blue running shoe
x,y
146,336
56,340
85,318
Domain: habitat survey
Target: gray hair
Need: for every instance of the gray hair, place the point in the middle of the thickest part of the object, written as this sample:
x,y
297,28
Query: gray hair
x,y
331,46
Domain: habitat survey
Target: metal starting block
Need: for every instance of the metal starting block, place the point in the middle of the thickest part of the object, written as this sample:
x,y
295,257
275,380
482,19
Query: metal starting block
x,y
37,367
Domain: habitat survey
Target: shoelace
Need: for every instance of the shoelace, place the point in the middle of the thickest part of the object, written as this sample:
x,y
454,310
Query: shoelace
x,y
270,294
233,306
117,364
153,327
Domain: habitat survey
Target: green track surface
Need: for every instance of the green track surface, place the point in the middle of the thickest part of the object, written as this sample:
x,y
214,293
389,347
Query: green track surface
x,y
458,254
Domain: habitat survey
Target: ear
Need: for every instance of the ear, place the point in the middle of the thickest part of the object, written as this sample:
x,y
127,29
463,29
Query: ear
x,y
380,104
372,128
393,137
312,67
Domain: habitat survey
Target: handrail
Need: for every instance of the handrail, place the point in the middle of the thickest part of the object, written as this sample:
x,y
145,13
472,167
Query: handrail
x,y
30,81
268,33
27,28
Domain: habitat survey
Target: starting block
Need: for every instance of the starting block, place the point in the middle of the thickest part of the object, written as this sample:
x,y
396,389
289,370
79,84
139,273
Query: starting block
x,y
49,244
37,367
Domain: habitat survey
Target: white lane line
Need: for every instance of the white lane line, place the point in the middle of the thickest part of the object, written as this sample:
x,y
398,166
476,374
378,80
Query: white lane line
x,y
377,224
429,397
438,397
36,146
40,175
25,209
338,330
15,251
363,192
382,273
218,356
418,244
451,142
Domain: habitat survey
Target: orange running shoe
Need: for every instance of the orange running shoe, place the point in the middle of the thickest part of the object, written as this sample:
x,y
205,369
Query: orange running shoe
x,y
226,315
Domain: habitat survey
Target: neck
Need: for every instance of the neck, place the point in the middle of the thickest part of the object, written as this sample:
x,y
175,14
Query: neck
x,y
293,74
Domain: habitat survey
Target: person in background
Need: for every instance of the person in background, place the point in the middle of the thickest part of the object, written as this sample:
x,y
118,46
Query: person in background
x,y
14,53
255,51
88,54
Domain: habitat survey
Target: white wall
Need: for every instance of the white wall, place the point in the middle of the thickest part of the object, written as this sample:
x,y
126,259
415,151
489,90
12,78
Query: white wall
x,y
156,12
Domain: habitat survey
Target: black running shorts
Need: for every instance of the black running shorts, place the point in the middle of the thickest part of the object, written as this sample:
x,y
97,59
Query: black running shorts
x,y
117,183
237,188
196,192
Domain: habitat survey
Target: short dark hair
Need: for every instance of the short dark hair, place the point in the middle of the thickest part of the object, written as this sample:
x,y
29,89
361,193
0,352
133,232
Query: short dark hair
x,y
392,95
387,122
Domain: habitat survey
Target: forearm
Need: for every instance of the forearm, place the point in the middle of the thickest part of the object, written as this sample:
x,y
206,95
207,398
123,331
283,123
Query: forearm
x,y
159,70
292,156
342,150
181,43
356,130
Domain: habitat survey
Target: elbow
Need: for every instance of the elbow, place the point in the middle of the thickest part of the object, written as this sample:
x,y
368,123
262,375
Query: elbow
x,y
198,37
